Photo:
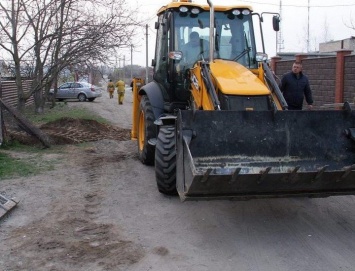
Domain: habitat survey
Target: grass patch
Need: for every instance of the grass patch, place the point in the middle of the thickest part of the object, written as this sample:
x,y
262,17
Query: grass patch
x,y
17,146
11,167
61,110
19,160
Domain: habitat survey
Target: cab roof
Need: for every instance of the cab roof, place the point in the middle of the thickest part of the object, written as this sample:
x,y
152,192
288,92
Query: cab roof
x,y
177,4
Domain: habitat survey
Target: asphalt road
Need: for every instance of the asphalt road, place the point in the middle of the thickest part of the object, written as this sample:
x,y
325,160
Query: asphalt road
x,y
264,235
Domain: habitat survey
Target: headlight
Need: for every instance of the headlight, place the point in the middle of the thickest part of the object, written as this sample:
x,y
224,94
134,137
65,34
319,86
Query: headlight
x,y
236,12
261,57
183,9
195,11
246,12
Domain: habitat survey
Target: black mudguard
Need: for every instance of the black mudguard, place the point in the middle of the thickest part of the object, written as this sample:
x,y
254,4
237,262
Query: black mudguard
x,y
155,95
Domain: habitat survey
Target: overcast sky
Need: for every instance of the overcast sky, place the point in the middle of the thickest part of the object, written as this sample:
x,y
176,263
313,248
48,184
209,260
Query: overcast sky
x,y
327,21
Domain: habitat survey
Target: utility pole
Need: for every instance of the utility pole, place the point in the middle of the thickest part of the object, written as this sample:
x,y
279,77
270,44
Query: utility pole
x,y
308,29
146,54
279,37
131,62
124,68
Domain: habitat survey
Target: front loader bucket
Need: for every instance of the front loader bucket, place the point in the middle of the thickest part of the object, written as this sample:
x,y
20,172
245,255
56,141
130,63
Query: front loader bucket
x,y
253,154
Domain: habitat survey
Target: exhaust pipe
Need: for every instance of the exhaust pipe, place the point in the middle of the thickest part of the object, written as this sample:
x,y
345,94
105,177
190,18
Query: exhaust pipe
x,y
211,29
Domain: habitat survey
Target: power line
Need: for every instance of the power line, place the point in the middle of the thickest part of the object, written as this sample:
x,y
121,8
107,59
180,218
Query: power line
x,y
302,6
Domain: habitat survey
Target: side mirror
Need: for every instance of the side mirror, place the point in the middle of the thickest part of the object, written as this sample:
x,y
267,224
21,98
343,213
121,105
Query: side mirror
x,y
276,23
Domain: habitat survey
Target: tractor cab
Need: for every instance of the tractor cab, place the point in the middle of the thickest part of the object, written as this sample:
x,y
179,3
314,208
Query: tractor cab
x,y
184,37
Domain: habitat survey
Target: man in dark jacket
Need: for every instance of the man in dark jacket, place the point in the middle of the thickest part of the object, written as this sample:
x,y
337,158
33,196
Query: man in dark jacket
x,y
295,86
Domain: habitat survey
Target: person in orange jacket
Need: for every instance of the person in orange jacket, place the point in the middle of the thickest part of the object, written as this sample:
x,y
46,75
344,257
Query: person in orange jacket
x,y
120,90
110,88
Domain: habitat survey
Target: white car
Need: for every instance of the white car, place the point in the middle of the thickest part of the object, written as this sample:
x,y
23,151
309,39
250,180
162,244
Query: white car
x,y
77,90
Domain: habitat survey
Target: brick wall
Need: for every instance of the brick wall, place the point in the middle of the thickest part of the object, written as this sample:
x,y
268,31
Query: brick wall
x,y
349,78
283,67
322,75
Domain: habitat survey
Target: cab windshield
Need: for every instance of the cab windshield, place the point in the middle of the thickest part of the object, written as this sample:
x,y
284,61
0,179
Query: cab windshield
x,y
234,38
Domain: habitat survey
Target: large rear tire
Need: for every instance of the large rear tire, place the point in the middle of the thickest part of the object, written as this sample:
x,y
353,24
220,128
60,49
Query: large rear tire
x,y
165,160
146,130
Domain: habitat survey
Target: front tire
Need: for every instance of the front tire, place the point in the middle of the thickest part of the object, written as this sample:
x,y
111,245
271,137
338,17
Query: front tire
x,y
165,160
82,97
146,130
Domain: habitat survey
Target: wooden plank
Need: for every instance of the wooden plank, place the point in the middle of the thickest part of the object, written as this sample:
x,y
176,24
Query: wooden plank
x,y
6,205
27,126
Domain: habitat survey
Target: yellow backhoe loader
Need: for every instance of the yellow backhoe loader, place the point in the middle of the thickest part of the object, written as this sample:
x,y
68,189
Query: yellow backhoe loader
x,y
214,122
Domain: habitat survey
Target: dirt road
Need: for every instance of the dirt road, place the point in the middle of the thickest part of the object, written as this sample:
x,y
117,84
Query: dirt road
x,y
100,210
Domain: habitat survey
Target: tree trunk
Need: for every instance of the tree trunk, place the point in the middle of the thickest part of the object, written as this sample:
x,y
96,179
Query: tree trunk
x,y
38,89
39,104
21,100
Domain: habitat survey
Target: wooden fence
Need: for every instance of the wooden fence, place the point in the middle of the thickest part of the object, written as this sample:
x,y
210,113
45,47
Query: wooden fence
x,y
8,91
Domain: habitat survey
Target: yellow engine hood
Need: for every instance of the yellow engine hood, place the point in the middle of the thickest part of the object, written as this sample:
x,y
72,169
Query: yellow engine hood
x,y
234,79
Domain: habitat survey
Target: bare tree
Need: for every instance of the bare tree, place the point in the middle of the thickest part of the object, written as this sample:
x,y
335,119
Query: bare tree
x,y
57,34
350,24
14,29
326,33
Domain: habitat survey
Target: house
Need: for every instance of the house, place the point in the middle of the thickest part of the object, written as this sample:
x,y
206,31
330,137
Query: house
x,y
333,46
4,69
